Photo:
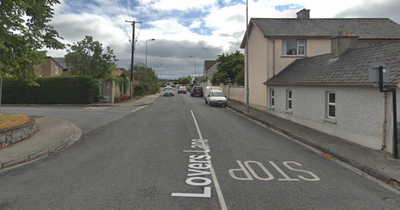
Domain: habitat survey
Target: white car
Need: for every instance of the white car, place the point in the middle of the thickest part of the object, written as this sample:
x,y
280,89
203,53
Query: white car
x,y
216,98
168,91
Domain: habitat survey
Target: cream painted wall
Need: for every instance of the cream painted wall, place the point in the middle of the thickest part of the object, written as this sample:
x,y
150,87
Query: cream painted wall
x,y
257,69
261,62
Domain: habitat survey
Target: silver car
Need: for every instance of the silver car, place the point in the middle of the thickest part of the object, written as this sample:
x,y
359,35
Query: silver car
x,y
168,91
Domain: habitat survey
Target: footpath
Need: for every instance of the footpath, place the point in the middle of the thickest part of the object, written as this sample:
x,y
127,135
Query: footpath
x,y
55,134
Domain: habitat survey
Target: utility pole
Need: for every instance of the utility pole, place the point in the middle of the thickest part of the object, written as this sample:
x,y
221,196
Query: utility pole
x,y
247,57
132,53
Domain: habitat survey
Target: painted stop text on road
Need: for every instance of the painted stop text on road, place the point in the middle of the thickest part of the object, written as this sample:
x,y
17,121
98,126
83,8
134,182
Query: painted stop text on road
x,y
246,171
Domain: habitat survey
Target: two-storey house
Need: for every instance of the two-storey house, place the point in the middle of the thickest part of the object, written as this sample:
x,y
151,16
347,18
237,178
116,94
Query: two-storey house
x,y
274,43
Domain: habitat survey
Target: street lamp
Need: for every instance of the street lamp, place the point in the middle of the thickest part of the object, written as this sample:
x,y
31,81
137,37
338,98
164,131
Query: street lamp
x,y
194,69
158,71
146,51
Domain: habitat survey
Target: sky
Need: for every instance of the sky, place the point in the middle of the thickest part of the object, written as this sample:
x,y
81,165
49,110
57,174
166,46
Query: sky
x,y
188,32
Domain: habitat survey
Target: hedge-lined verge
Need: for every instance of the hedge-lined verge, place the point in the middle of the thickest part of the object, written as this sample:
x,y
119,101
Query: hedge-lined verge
x,y
51,90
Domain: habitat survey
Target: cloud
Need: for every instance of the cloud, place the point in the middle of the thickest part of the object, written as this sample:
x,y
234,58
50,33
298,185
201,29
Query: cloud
x,y
181,5
374,9
203,28
195,24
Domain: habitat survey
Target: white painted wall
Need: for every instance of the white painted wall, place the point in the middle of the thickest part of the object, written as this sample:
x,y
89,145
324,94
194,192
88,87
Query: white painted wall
x,y
358,112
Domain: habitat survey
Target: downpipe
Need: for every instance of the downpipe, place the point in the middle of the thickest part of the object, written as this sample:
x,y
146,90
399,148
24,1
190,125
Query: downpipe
x,y
394,101
384,121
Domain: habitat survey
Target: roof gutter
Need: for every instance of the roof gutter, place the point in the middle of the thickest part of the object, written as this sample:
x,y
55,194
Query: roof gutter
x,y
327,84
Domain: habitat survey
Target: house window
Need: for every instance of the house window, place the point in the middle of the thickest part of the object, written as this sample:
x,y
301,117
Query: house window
x,y
331,105
57,70
272,98
289,100
293,47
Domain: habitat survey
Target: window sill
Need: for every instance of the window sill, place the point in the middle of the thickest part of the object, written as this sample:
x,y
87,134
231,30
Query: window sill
x,y
293,56
271,107
289,111
330,120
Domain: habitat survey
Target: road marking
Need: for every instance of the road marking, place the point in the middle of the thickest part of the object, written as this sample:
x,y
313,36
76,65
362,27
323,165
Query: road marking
x,y
248,171
214,177
97,108
138,108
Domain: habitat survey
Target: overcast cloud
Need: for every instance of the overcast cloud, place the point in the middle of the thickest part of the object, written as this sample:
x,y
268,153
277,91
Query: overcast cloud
x,y
183,28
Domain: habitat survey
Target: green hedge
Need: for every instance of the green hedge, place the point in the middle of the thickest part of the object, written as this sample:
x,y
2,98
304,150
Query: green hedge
x,y
51,90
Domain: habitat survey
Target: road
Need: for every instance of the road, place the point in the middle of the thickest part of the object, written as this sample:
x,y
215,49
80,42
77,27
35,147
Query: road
x,y
179,153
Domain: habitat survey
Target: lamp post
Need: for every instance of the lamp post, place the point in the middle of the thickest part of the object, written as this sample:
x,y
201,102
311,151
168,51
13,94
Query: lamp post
x,y
146,51
247,57
194,69
158,71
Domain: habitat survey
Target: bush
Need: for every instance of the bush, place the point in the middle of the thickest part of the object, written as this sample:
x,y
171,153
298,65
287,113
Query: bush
x,y
51,90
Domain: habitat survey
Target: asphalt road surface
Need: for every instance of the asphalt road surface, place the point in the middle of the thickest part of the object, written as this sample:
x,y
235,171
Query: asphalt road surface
x,y
179,153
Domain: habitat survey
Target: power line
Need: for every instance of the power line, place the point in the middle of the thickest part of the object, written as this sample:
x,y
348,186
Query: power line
x,y
127,9
126,30
141,17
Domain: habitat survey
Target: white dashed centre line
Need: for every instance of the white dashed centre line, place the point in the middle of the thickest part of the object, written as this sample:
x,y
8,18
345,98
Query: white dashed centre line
x,y
138,108
214,177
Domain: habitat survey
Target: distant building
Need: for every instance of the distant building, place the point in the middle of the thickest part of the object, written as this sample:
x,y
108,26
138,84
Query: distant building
x,y
53,67
210,68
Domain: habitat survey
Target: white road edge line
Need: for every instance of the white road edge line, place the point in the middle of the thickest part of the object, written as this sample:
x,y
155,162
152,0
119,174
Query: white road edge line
x,y
138,108
214,177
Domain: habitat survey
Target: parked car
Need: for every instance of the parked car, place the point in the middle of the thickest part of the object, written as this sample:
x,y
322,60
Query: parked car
x,y
216,98
196,91
211,88
168,91
182,89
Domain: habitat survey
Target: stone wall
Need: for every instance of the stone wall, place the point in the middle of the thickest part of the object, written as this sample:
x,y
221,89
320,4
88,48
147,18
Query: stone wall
x,y
15,134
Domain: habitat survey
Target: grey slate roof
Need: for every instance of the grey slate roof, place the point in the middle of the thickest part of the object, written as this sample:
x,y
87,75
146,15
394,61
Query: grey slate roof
x,y
366,28
209,63
61,62
352,67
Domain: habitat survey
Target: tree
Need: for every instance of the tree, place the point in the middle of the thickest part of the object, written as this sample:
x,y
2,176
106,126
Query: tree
x,y
239,79
230,65
24,32
184,80
147,80
86,58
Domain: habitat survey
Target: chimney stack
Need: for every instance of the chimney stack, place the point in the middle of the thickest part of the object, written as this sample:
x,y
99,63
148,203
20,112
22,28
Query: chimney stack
x,y
303,14
342,43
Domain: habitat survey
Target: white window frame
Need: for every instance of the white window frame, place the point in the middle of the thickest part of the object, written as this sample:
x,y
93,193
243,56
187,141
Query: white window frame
x,y
300,43
289,100
330,104
57,70
272,98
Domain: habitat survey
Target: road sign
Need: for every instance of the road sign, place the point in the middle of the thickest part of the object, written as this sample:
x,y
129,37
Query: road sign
x,y
374,74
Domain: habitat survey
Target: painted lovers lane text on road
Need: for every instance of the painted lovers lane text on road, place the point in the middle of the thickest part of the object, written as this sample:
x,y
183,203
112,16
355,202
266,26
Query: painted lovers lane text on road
x,y
199,168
